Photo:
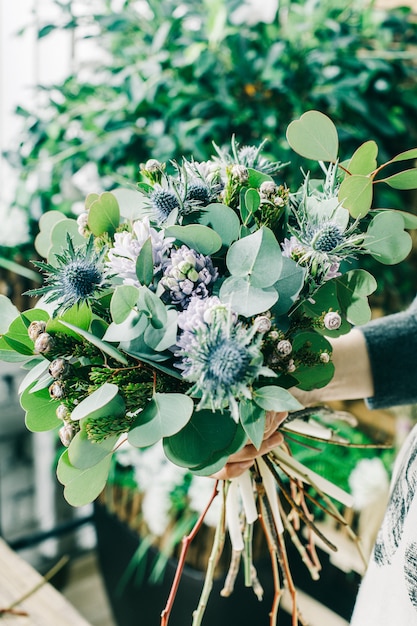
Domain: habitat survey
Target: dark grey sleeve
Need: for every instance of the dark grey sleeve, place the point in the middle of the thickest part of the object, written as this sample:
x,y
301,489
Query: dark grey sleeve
x,y
392,347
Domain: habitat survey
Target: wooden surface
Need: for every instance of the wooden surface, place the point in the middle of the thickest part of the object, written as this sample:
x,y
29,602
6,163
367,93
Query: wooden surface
x,y
46,607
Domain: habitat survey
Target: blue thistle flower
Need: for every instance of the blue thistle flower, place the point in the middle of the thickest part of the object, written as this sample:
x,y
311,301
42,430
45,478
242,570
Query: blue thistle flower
x,y
163,202
222,359
327,237
76,278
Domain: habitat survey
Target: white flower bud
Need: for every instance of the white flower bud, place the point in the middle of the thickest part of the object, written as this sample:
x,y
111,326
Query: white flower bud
x,y
240,172
284,347
43,343
62,412
66,434
291,366
332,320
324,357
58,368
57,390
35,329
262,323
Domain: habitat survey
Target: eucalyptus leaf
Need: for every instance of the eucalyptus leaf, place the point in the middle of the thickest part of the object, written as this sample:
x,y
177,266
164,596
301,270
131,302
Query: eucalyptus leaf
x,y
245,299
8,313
355,193
84,453
288,286
353,289
363,160
47,221
223,220
403,180
133,326
153,307
104,214
220,457
33,374
40,410
160,339
123,301
82,486
386,240
162,417
58,235
206,433
198,237
404,156
273,398
101,345
314,136
79,315
144,264
257,256
252,418
104,401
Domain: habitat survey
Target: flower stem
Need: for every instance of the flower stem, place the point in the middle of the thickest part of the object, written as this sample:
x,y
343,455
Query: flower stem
x,y
186,541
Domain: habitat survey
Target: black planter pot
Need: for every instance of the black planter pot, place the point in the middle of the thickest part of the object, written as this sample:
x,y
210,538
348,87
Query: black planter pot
x,y
140,604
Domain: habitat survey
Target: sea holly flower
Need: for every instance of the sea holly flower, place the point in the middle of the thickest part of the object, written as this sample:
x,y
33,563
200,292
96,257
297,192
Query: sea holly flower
x,y
222,359
77,277
186,274
127,246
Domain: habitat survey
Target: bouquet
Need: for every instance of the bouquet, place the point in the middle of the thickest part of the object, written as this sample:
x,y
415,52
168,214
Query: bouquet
x,y
182,310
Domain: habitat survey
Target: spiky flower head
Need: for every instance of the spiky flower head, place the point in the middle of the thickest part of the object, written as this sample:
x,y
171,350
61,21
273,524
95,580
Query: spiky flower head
x,y
77,277
222,358
164,202
186,274
128,245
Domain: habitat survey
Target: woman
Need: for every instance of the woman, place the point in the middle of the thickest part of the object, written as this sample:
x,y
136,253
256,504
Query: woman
x,y
377,362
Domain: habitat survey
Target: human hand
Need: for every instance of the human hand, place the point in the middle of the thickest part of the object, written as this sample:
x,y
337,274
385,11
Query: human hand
x,y
242,460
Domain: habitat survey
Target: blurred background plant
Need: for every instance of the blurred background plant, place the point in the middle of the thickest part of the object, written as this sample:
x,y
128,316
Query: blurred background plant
x,y
166,79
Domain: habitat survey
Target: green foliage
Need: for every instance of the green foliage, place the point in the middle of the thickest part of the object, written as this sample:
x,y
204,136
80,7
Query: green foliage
x,y
172,82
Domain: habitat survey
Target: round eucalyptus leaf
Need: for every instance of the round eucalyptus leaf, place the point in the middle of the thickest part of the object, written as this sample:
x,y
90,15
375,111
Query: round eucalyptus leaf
x,y
363,160
353,289
314,136
198,237
123,300
220,457
46,223
58,235
355,193
162,417
153,307
206,433
223,220
104,214
257,256
104,401
288,285
272,398
82,486
40,410
245,299
84,453
386,240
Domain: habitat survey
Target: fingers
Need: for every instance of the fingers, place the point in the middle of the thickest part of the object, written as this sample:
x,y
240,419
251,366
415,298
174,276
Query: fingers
x,y
241,461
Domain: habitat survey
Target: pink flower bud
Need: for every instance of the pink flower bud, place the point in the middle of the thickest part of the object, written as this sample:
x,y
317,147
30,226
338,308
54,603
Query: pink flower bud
x,y
284,347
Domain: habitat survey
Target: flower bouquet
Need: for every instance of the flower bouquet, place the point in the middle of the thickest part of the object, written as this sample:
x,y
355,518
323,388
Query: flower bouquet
x,y
182,311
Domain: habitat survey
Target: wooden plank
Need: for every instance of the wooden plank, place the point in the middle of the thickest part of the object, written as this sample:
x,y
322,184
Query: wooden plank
x,y
46,607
